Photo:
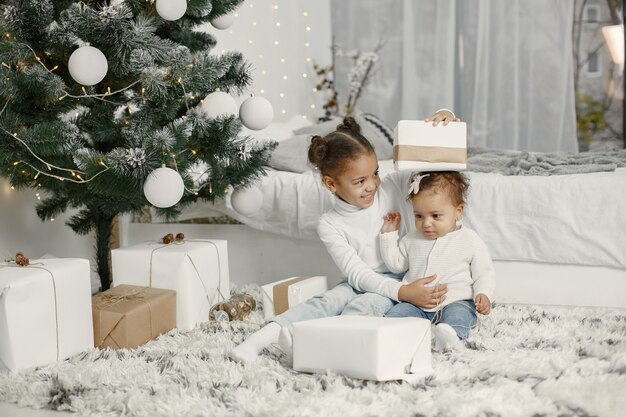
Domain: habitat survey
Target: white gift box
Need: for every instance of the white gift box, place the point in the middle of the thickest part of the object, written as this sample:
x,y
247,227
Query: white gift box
x,y
375,348
196,269
282,295
420,146
45,312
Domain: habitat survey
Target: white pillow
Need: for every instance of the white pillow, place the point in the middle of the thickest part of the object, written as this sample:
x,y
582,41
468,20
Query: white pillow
x,y
278,131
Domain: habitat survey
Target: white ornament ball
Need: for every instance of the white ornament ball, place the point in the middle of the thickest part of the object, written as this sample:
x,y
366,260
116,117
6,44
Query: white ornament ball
x,y
88,65
164,187
247,201
223,22
171,9
256,113
219,103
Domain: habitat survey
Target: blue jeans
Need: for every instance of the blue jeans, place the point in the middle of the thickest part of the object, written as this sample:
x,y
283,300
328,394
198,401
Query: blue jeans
x,y
342,299
460,315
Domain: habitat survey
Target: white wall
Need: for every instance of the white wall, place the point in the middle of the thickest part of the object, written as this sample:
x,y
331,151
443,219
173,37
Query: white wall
x,y
22,231
282,39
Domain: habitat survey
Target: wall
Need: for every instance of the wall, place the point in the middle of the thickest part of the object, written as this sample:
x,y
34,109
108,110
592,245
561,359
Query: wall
x,y
281,39
22,231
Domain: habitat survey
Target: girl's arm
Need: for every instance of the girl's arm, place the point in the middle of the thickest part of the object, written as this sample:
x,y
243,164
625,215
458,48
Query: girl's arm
x,y
360,275
394,255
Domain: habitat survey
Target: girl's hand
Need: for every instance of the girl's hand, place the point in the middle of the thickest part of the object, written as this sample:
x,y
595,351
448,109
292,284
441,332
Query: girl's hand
x,y
483,304
392,222
444,116
421,296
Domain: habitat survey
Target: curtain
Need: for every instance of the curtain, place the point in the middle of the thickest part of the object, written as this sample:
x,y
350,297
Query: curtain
x,y
505,68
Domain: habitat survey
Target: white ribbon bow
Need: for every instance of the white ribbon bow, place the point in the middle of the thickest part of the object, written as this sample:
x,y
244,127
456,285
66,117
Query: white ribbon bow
x,y
414,187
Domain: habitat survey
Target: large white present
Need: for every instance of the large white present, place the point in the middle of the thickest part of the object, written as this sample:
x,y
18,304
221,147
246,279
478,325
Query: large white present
x,y
196,269
375,348
45,312
279,296
420,146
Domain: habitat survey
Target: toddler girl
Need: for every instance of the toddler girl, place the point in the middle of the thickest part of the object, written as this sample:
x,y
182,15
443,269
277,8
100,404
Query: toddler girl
x,y
441,246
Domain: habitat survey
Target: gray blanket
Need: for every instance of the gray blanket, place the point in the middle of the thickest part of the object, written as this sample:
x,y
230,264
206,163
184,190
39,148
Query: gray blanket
x,y
540,163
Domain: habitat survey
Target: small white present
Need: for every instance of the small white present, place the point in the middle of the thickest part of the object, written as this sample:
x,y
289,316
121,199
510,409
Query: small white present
x,y
196,269
45,311
376,348
420,146
279,296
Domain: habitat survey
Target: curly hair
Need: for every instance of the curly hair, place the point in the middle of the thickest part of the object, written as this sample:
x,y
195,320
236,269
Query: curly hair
x,y
454,183
330,153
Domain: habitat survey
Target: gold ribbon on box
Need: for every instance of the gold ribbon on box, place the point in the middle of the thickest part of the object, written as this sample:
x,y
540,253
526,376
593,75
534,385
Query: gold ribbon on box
x,y
429,154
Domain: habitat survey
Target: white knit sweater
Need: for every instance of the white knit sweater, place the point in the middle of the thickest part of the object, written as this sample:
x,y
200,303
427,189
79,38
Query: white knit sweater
x,y
350,235
460,259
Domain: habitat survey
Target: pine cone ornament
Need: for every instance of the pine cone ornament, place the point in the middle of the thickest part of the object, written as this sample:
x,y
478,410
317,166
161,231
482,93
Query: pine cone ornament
x,y
168,238
21,260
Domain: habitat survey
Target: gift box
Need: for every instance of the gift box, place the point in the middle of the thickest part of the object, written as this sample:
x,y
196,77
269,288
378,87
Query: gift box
x,y
44,311
127,316
374,348
420,146
279,296
197,270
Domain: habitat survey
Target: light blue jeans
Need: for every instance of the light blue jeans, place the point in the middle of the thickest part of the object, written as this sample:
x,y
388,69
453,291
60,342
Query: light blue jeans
x,y
342,299
460,315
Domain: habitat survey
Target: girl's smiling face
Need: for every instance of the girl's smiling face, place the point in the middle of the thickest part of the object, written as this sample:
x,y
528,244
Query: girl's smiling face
x,y
358,182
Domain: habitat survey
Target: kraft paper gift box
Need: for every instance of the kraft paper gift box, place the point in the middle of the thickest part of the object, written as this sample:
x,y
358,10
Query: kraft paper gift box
x,y
196,269
44,311
374,348
127,316
420,146
279,296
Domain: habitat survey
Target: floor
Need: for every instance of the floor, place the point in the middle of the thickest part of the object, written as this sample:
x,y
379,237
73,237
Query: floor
x,y
11,410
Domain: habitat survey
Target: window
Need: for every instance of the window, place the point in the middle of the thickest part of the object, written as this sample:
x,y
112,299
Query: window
x,y
593,67
592,13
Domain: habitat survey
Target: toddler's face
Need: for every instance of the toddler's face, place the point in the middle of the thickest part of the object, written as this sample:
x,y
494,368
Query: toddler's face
x,y
358,183
435,213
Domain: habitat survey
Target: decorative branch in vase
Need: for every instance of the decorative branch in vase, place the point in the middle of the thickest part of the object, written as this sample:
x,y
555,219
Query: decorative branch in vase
x,y
360,75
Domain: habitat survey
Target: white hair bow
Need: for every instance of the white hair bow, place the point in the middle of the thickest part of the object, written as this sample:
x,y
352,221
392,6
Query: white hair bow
x,y
414,187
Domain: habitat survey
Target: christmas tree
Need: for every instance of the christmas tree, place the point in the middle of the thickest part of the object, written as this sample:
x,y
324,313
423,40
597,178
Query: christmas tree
x,y
97,96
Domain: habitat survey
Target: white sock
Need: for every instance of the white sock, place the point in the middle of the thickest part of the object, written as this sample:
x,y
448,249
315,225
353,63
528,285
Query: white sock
x,y
446,338
251,348
285,341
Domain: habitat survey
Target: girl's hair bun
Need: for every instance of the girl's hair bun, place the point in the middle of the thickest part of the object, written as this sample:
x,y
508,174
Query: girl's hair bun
x,y
317,150
349,124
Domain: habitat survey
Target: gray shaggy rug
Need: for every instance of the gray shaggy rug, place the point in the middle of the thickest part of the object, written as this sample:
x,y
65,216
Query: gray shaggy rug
x,y
521,361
